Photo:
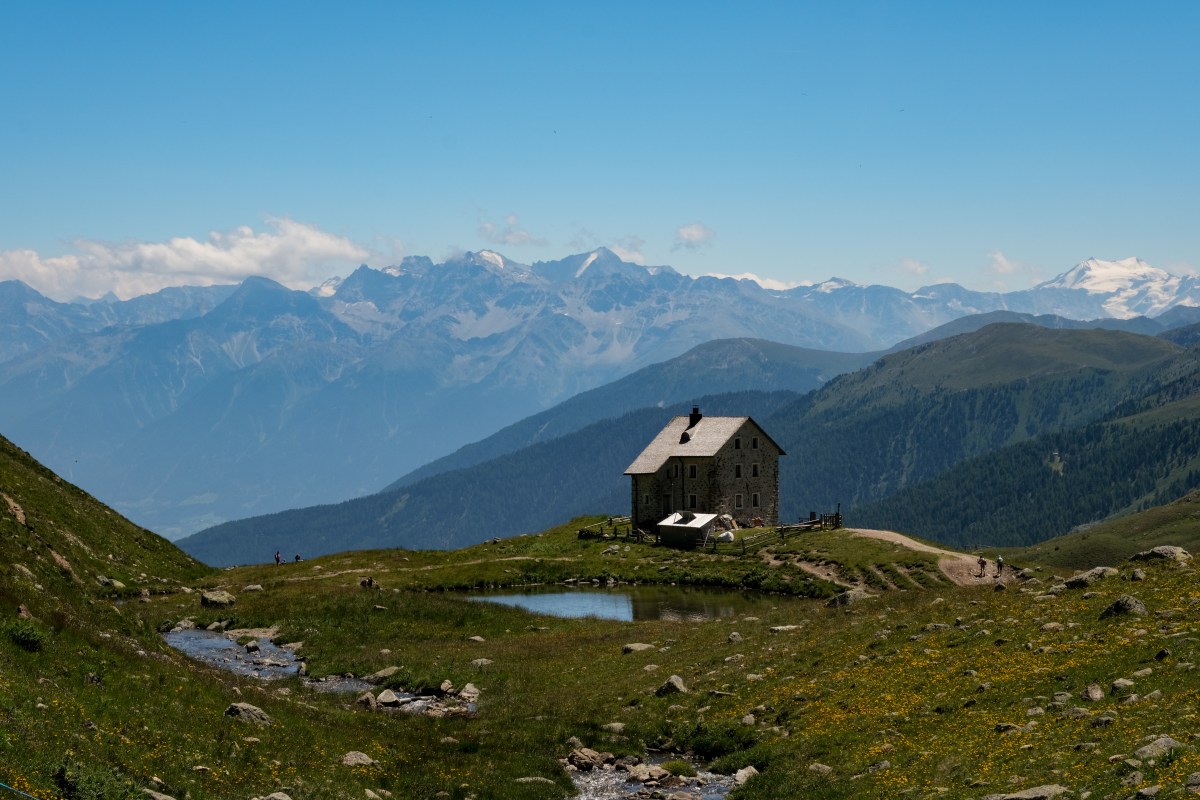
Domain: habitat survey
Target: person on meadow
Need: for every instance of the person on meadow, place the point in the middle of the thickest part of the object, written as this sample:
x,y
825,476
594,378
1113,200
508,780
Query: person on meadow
x,y
277,558
999,566
982,566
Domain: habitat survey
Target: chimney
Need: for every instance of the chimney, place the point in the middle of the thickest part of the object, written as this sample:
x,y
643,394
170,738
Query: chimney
x,y
695,416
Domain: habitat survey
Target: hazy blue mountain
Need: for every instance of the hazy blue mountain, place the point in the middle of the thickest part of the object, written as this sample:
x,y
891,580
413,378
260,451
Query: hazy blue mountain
x,y
193,406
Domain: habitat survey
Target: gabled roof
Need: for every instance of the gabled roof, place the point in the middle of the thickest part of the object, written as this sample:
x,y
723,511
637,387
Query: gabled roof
x,y
705,438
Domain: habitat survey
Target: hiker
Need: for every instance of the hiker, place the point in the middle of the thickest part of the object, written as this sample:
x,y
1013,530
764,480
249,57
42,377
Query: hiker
x,y
297,558
999,565
982,566
277,558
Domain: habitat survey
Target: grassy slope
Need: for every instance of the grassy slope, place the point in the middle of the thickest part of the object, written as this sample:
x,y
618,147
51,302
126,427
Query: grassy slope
x,y
896,678
1176,523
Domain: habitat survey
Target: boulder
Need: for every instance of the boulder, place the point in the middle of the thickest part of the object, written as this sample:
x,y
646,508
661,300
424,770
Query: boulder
x,y
358,759
1046,792
367,701
636,647
217,597
847,598
381,675
1125,604
248,713
586,759
673,685
1084,579
744,774
254,587
1163,552
647,772
1158,748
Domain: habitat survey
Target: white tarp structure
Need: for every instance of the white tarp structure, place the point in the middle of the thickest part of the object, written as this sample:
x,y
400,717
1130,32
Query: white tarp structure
x,y
684,528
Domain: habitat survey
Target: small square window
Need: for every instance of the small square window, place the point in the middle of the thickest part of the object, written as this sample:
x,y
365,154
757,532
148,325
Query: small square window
x,y
754,470
645,499
737,501
754,443
692,471
691,501
737,470
754,499
737,443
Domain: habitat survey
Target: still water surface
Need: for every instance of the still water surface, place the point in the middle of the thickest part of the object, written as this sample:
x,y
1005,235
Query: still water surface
x,y
630,603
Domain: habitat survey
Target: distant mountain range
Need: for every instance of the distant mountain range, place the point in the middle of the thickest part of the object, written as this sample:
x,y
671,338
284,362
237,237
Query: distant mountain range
x,y
196,406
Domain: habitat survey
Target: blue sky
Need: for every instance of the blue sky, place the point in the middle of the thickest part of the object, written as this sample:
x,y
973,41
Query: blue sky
x,y
995,145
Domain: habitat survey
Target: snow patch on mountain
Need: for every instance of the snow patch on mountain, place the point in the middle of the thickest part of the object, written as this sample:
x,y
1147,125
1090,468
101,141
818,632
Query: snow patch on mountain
x,y
587,263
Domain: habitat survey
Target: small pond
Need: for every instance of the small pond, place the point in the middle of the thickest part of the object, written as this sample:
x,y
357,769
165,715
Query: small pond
x,y
633,603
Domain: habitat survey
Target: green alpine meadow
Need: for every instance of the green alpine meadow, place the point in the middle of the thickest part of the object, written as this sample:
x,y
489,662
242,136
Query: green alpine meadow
x,y
856,665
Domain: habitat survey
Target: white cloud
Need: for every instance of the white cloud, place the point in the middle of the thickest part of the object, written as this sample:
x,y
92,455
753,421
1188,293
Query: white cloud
x,y
911,266
510,233
693,237
766,283
1003,269
293,253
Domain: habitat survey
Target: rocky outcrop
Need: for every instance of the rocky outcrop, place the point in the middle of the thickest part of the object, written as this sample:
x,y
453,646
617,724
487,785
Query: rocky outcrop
x,y
218,598
248,713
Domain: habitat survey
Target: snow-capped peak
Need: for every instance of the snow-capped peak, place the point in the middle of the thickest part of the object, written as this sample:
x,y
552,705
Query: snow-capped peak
x,y
328,288
587,263
493,258
1102,277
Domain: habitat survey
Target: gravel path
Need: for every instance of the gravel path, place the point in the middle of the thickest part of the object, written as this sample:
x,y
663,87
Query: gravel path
x,y
961,568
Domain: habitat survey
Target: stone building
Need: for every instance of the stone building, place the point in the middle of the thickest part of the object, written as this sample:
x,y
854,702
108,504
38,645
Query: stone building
x,y
707,465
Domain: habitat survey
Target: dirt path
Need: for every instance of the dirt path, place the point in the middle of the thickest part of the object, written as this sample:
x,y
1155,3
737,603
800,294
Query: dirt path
x,y
961,568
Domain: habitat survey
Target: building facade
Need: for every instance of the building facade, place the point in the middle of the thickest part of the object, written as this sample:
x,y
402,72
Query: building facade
x,y
707,465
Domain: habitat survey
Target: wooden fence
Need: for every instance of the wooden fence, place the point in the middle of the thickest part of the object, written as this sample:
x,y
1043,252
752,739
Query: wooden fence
x,y
780,533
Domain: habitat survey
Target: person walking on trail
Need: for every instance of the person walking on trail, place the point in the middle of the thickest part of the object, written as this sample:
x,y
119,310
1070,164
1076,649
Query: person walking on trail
x,y
999,566
982,566
277,558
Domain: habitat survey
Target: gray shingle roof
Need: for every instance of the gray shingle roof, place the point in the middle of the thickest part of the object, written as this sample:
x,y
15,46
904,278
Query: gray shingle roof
x,y
707,437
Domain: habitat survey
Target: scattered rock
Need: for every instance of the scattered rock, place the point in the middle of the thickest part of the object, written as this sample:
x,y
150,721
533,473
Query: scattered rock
x,y
382,675
734,637
1084,579
254,587
613,727
356,759
217,597
153,795
636,647
673,685
1125,604
820,769
1138,574
744,774
1093,693
248,713
1161,552
367,701
586,759
482,662
847,598
1158,748
1036,793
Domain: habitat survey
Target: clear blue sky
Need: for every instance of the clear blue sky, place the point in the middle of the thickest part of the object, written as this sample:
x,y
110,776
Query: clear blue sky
x,y
992,144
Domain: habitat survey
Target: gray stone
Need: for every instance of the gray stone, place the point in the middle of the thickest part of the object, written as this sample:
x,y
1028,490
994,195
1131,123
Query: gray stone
x,y
1158,748
646,772
744,774
1138,574
1046,792
818,768
389,699
1121,684
586,759
613,727
847,598
1162,552
254,587
673,685
381,675
248,713
1084,579
482,662
1093,693
1125,604
358,759
367,701
734,637
217,597
636,647
153,795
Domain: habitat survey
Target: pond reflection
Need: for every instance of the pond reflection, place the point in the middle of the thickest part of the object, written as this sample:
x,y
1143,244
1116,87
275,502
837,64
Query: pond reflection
x,y
632,603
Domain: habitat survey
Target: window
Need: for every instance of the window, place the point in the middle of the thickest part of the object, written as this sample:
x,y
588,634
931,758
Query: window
x,y
737,470
754,443
737,443
645,499
691,501
754,499
675,472
692,471
754,470
737,501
